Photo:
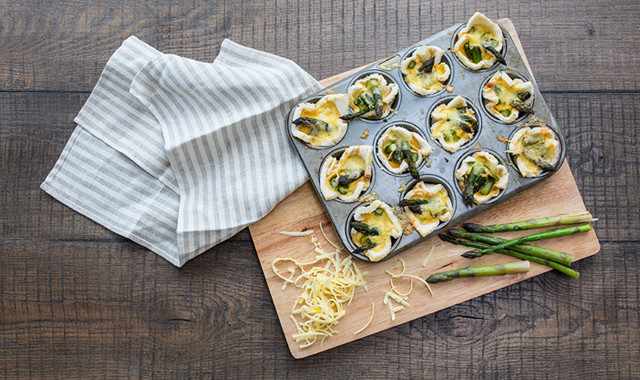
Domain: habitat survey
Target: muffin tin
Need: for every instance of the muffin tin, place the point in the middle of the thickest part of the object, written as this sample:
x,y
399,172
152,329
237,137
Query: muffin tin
x,y
413,111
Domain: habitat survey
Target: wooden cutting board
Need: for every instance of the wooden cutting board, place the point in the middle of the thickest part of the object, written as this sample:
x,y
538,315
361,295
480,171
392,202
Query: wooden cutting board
x,y
302,210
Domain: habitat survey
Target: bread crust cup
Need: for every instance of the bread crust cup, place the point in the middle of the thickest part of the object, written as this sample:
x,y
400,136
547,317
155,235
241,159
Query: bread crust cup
x,y
424,72
348,177
427,205
319,124
481,177
373,229
479,43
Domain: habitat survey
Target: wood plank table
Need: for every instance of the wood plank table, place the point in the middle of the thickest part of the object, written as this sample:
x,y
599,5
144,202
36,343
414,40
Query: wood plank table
x,y
78,301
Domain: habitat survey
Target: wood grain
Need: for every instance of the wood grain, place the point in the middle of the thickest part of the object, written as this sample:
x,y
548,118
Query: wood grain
x,y
63,45
77,301
303,211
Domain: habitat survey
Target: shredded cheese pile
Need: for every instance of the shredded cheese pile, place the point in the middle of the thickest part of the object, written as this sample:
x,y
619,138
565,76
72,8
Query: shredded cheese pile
x,y
327,283
394,295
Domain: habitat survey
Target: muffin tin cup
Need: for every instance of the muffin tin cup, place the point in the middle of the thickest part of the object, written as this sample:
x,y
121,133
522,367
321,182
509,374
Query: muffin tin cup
x,y
512,158
337,153
406,125
390,79
445,100
431,179
501,161
446,58
496,64
513,75
313,100
416,110
351,246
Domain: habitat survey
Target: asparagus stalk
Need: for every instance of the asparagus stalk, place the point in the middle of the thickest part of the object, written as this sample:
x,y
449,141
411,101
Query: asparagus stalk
x,y
427,67
495,53
350,116
534,237
352,176
364,248
575,218
544,253
538,162
521,106
552,264
374,87
316,125
365,229
404,147
523,95
415,205
483,270
473,123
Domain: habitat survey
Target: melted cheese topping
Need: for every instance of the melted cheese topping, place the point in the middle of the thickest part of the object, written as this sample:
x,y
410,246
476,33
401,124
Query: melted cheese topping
x,y
479,29
391,140
328,109
500,91
387,90
425,83
354,159
438,209
388,228
541,144
327,286
446,119
491,163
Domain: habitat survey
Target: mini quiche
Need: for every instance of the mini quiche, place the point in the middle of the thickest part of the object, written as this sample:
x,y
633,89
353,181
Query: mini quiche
x,y
453,124
371,97
427,205
535,150
481,177
349,176
400,150
424,72
505,97
319,124
479,43
372,229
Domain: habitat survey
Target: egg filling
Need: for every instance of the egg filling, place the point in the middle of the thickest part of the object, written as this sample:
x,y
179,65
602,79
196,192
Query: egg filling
x,y
400,150
372,229
424,72
349,176
371,97
535,150
479,43
320,124
427,205
506,98
481,177
453,124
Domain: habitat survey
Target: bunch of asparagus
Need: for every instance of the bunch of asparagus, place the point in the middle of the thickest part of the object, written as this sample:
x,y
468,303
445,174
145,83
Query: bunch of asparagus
x,y
517,248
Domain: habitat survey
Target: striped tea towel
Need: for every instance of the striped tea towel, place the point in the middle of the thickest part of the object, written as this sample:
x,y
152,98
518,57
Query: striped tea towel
x,y
179,155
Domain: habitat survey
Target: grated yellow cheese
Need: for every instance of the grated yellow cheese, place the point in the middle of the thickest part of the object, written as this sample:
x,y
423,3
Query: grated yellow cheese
x,y
326,238
426,259
296,233
373,310
327,286
394,295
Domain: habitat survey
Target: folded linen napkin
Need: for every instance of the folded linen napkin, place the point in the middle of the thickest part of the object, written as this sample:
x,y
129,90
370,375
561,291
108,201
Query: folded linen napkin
x,y
179,155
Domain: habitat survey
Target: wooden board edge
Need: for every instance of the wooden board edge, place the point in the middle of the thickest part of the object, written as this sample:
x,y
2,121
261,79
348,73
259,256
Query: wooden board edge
x,y
591,235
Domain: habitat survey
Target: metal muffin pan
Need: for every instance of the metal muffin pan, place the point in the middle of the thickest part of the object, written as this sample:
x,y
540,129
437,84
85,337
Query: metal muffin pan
x,y
415,111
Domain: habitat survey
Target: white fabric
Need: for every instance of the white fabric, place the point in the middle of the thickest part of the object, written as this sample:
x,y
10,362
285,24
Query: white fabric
x,y
179,155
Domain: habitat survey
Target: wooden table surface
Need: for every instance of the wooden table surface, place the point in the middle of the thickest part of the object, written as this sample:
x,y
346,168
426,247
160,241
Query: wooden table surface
x,y
77,300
